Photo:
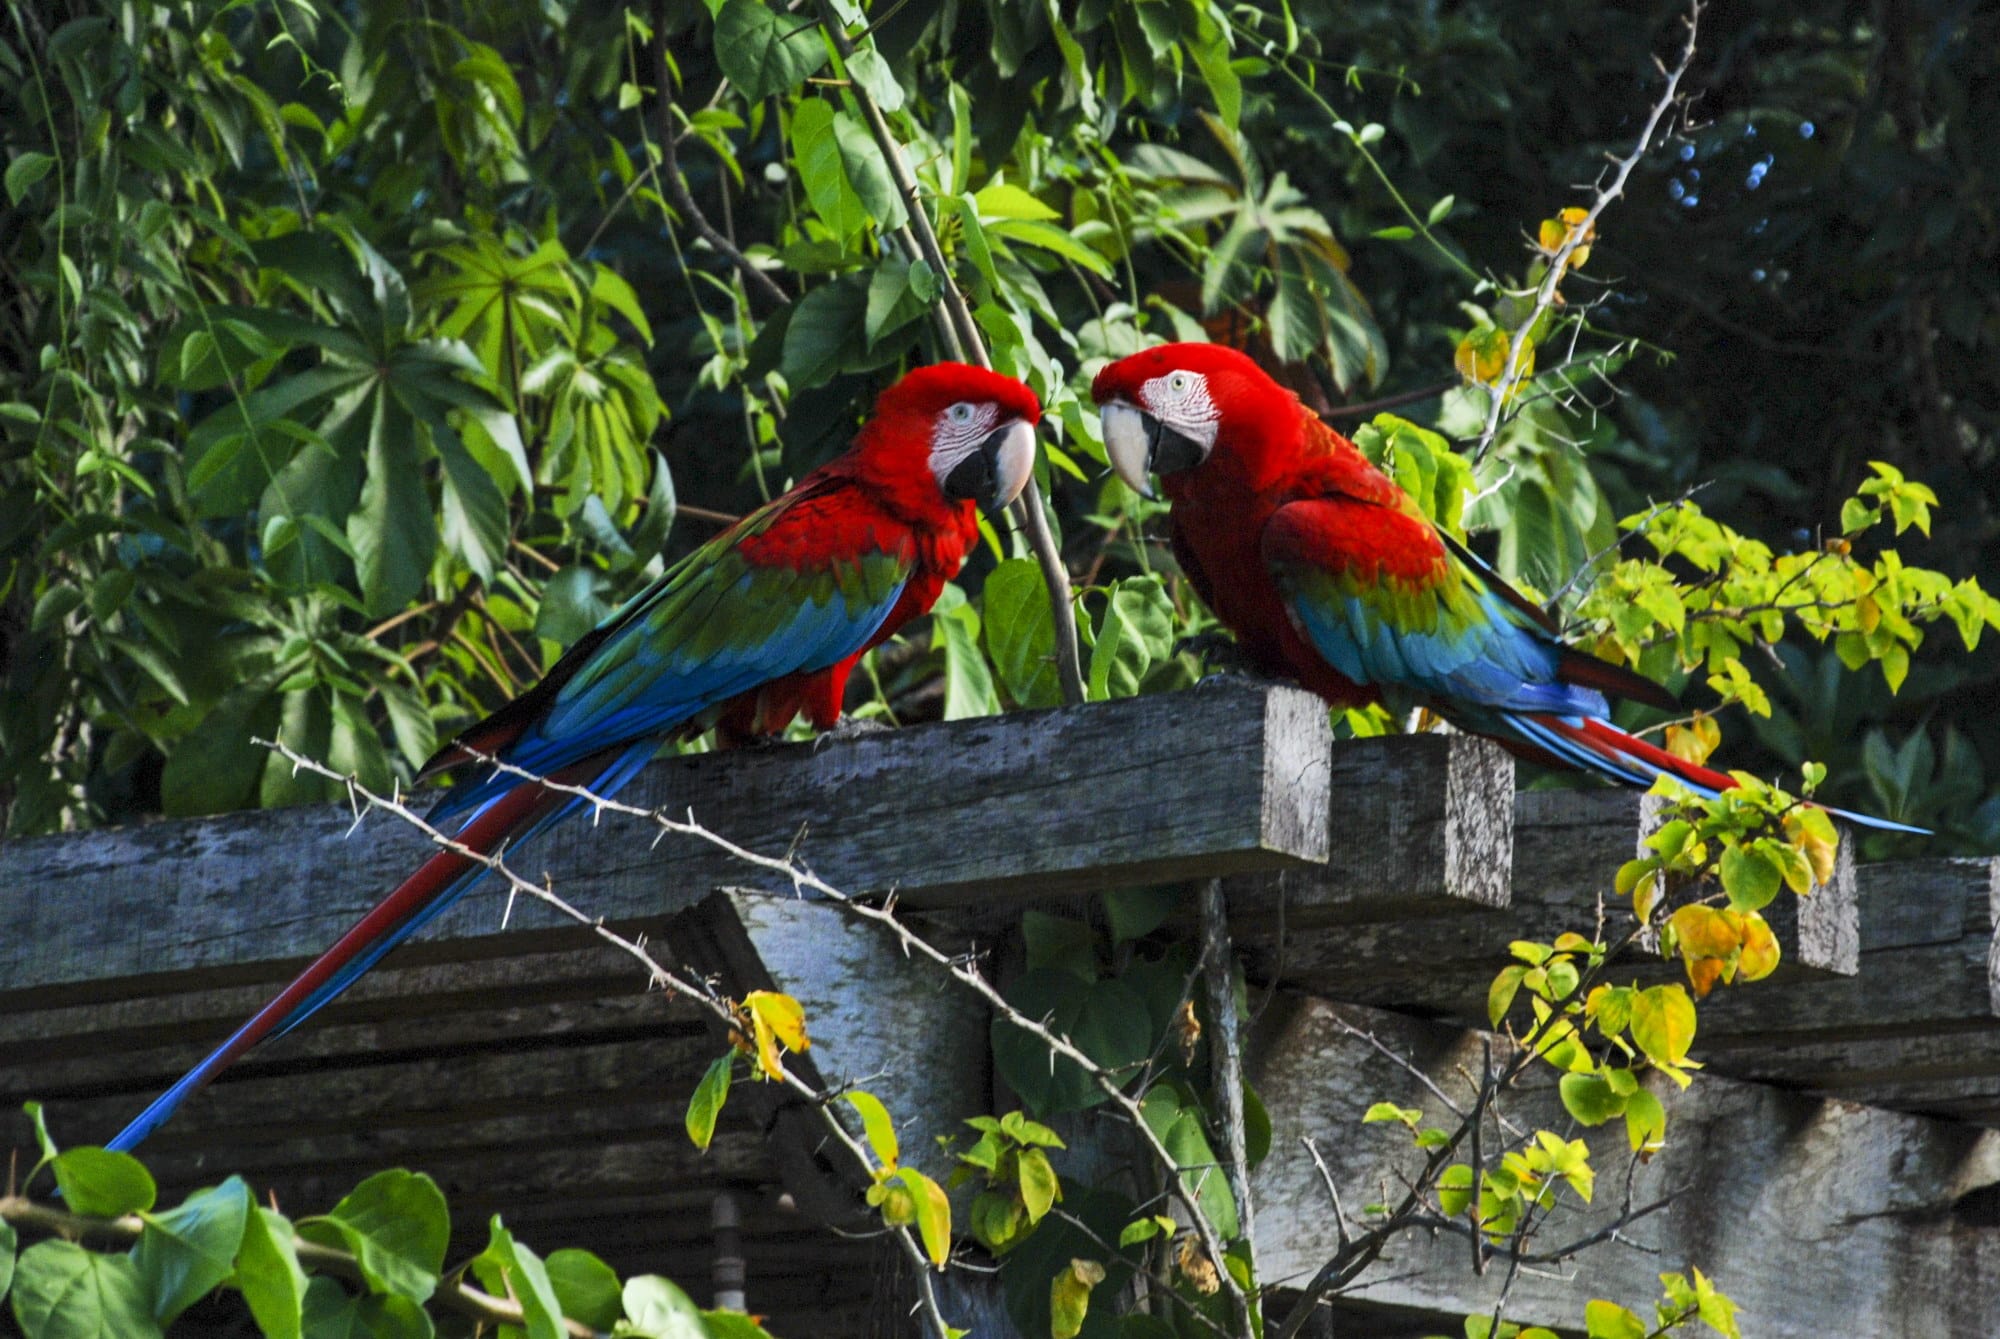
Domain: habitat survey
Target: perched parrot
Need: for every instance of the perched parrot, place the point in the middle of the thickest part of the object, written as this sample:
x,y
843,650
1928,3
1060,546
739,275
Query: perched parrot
x,y
759,625
1328,573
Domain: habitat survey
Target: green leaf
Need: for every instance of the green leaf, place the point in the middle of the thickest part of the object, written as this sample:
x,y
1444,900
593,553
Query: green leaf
x,y
828,326
893,301
732,1325
968,683
709,1095
394,531
875,1123
1645,1119
28,167
62,1291
933,1214
763,52
331,1314
508,1269
657,1309
1440,210
817,150
268,1274
1040,1187
184,1253
586,1287
396,1226
1135,631
1590,1099
867,68
1399,233
1386,1111
1004,201
1454,1189
1500,995
1750,877
6,1258
1134,913
100,1183
1048,237
868,174
1608,1320
1020,632
1107,1020
1179,1128
1663,1022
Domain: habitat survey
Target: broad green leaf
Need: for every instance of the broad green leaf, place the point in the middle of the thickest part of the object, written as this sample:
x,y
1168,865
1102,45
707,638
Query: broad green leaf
x,y
867,68
1107,1020
268,1274
732,1325
1590,1099
62,1291
185,1252
1750,877
394,531
1179,1128
868,174
658,1309
6,1258
709,1095
1645,1120
1663,1023
1041,1189
330,1313
28,167
508,1269
1020,632
100,1183
1135,631
1608,1320
586,1287
1004,201
817,150
764,52
827,329
968,682
396,1226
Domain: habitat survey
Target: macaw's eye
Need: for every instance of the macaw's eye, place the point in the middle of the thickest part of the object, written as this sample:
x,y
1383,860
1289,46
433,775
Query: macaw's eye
x,y
959,413
1178,383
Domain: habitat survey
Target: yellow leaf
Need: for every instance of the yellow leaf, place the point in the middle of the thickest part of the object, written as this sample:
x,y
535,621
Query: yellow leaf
x,y
1703,973
1482,354
1817,842
775,1020
1187,1029
1704,932
1069,1297
1760,949
1556,231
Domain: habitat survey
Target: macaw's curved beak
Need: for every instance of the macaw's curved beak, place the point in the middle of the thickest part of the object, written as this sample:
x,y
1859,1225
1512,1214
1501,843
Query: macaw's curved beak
x,y
1140,445
995,473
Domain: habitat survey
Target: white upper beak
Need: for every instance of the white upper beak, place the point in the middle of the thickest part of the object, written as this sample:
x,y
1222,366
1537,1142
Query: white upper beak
x,y
1126,443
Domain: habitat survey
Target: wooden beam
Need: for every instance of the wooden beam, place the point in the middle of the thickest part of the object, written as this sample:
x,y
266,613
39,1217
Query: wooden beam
x,y
1567,847
1880,1221
1182,785
1422,825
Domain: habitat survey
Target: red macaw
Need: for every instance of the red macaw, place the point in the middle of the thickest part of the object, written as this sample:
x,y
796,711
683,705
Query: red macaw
x,y
1329,574
761,624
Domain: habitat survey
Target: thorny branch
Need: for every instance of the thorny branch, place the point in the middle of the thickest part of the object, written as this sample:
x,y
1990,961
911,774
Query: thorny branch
x,y
802,881
1558,265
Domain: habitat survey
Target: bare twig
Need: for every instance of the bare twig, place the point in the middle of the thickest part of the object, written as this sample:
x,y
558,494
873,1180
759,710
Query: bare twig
x,y
1578,236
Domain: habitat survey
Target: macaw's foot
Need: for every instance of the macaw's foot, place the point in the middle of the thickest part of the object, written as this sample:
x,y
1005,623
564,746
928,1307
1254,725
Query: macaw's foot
x,y
1218,652
852,727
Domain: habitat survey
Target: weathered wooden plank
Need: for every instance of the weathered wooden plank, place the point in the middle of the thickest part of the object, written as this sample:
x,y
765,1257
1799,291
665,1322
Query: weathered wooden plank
x,y
1567,847
1184,785
1421,826
1875,1216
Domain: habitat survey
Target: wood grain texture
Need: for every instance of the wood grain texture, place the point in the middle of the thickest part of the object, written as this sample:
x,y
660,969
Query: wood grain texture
x,y
1421,825
1181,785
1818,1217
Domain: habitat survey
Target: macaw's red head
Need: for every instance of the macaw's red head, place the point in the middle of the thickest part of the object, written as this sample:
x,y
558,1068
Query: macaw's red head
x,y
1172,408
968,431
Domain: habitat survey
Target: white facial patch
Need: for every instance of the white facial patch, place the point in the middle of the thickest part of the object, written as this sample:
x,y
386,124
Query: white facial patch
x,y
958,433
1181,401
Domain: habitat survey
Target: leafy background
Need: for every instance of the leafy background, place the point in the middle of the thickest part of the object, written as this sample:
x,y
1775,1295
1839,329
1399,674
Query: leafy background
x,y
362,356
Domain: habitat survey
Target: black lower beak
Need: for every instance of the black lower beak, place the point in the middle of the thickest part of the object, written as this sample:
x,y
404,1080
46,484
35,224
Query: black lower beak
x,y
1168,450
994,473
